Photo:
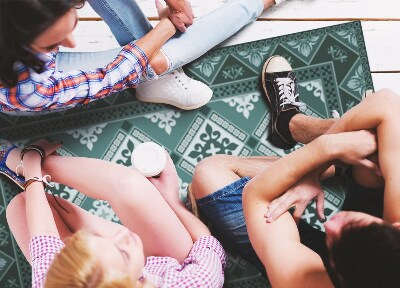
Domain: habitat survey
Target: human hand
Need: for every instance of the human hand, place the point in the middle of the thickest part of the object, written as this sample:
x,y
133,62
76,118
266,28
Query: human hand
x,y
167,184
162,10
180,13
355,147
49,147
298,196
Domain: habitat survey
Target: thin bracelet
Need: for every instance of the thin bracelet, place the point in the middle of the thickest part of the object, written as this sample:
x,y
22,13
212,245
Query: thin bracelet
x,y
36,148
43,179
177,11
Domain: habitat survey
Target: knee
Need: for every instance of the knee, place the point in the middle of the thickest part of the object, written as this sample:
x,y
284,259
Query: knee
x,y
16,205
251,9
387,99
124,183
206,170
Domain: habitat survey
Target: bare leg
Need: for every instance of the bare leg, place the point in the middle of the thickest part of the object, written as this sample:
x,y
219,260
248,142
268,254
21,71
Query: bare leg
x,y
221,170
67,222
138,204
159,63
305,129
16,219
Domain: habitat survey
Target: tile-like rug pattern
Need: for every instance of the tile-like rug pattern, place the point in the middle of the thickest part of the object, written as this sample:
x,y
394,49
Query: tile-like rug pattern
x,y
332,68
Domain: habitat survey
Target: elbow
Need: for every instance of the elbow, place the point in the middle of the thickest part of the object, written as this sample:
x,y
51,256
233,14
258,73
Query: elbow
x,y
247,192
253,195
254,192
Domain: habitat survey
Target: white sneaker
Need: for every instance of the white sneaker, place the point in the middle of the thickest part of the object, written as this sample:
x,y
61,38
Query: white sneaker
x,y
175,89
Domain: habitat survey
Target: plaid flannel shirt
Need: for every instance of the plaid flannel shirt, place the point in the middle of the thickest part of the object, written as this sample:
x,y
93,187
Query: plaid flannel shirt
x,y
203,268
56,90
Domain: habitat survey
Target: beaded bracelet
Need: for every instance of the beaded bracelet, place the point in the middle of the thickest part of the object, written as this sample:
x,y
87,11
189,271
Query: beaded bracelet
x,y
177,11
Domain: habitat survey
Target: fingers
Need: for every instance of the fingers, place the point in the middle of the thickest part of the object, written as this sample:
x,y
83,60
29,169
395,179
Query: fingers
x,y
57,145
169,166
320,205
160,6
162,9
182,18
153,181
277,208
370,165
49,147
298,212
181,21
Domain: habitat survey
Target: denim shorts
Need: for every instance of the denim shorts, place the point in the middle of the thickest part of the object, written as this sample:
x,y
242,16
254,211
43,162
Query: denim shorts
x,y
225,206
224,214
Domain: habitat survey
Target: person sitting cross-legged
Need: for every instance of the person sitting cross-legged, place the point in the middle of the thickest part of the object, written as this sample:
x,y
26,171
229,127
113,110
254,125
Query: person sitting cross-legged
x,y
162,244
246,199
35,77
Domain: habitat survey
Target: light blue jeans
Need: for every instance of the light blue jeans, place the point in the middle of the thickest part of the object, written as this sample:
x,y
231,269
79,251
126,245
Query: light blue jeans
x,y
128,23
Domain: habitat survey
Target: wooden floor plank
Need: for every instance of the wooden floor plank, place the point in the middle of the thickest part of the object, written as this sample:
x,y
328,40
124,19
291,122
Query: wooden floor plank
x,y
295,9
381,35
386,80
381,38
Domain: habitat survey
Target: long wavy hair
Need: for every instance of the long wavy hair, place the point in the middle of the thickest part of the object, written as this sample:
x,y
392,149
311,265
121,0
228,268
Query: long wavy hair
x,y
21,22
77,266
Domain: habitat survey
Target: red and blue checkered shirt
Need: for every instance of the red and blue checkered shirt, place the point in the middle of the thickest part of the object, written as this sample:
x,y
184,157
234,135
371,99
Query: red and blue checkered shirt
x,y
204,266
53,90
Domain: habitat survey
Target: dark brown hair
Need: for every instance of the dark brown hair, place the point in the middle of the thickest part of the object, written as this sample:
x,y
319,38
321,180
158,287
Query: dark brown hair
x,y
367,256
22,21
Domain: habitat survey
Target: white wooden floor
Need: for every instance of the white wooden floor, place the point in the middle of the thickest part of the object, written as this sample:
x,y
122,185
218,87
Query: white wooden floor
x,y
380,21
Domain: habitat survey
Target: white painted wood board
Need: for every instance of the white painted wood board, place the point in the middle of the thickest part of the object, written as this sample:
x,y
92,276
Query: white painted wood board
x,y
381,38
294,9
380,32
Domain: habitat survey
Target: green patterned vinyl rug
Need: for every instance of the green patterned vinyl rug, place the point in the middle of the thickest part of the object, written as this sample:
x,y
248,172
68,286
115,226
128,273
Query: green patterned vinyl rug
x,y
332,69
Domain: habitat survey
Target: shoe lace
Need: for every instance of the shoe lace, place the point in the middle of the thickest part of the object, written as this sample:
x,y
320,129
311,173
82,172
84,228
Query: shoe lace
x,y
180,77
287,92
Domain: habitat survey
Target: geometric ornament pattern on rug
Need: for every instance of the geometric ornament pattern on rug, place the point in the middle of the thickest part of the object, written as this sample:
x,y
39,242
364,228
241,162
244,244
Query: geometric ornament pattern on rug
x,y
332,70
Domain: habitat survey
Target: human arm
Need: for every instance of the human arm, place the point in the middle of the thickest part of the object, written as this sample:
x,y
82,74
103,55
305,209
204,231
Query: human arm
x,y
52,89
152,42
204,265
378,112
77,218
40,218
44,237
278,244
180,13
300,195
366,115
167,185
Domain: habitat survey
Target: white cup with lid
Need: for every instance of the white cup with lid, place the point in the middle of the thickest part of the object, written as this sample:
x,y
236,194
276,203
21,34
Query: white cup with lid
x,y
149,159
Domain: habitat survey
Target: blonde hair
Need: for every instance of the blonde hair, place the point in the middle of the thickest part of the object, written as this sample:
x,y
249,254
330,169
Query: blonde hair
x,y
77,266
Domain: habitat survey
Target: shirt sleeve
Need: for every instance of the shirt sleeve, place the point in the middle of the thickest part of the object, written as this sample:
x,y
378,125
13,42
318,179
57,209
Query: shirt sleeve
x,y
52,90
42,250
206,263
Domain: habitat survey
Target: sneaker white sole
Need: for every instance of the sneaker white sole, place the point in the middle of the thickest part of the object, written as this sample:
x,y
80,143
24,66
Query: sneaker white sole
x,y
169,102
